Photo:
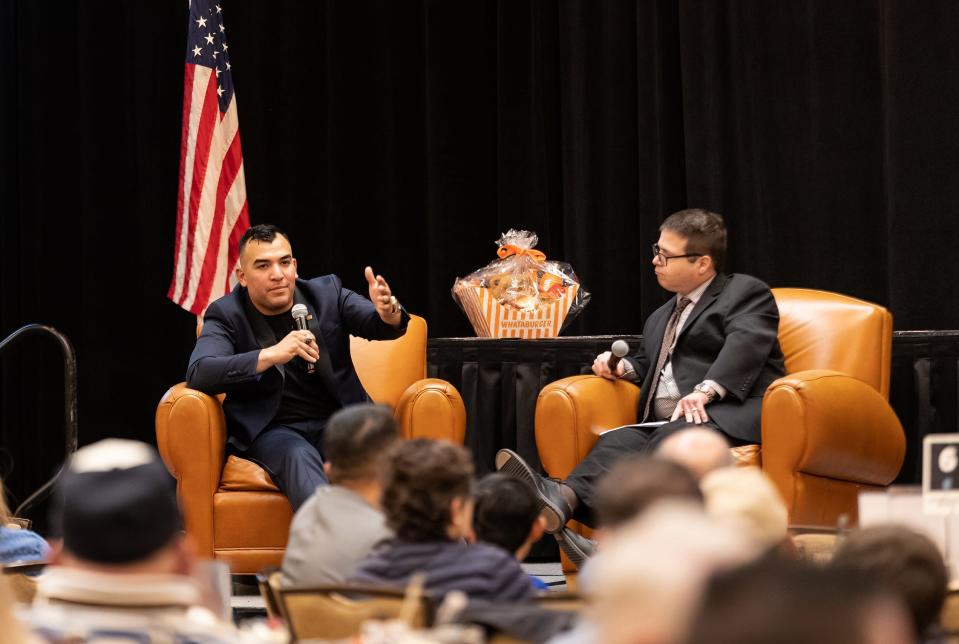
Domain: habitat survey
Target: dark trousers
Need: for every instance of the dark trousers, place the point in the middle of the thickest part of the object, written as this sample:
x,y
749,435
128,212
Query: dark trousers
x,y
290,453
609,449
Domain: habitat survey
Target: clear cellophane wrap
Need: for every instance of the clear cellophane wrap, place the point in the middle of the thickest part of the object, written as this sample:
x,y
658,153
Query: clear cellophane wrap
x,y
521,294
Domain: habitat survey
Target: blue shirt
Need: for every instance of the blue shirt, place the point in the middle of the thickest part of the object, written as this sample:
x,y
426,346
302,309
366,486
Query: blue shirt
x,y
21,545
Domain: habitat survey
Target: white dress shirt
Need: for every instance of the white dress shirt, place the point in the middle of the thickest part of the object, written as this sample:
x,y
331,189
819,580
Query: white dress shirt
x,y
667,387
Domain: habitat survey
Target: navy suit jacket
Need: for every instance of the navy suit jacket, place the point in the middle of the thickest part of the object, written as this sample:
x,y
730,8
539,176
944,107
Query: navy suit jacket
x,y
225,356
731,337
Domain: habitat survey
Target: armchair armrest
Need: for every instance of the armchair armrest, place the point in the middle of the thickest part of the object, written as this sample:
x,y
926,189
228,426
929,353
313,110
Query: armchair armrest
x,y
431,408
570,412
829,425
191,437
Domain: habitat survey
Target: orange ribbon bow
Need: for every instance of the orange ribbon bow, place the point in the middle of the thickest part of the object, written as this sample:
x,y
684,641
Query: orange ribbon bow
x,y
506,250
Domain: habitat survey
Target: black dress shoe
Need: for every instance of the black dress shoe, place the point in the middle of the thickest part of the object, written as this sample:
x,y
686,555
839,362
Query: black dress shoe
x,y
577,547
554,507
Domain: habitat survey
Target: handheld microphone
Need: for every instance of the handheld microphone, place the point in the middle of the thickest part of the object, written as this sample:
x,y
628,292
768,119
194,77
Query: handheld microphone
x,y
619,350
300,312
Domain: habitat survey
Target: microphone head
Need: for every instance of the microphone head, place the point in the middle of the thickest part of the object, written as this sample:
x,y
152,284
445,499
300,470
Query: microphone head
x,y
620,348
300,311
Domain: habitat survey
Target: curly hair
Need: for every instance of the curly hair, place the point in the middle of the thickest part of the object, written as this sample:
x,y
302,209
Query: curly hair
x,y
424,479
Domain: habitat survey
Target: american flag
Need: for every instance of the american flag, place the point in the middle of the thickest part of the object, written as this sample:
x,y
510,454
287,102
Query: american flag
x,y
211,205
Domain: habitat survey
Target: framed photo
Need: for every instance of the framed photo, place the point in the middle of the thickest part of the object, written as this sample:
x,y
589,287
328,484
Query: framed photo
x,y
940,473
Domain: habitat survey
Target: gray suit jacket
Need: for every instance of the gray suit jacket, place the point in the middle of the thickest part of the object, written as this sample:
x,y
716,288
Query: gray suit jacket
x,y
729,337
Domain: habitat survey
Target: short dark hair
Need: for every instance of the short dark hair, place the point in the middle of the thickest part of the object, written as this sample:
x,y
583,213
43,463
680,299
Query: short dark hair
x,y
902,560
638,481
705,233
505,511
774,599
261,233
356,441
424,478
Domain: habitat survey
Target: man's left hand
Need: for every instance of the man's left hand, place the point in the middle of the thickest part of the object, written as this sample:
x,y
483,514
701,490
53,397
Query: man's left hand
x,y
692,407
382,298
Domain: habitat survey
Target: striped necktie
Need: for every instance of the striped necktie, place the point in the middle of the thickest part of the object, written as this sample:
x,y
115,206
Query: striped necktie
x,y
665,350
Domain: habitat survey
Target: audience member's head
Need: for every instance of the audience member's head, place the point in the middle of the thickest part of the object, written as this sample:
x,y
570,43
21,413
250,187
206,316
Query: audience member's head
x,y
506,514
638,481
115,509
356,443
792,602
428,491
903,561
747,499
648,580
698,449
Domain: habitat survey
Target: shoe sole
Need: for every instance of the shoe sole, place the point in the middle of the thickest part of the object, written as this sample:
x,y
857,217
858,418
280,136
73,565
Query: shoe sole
x,y
574,554
512,465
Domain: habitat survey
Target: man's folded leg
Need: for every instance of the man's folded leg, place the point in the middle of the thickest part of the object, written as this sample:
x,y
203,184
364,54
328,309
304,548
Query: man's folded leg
x,y
575,497
293,462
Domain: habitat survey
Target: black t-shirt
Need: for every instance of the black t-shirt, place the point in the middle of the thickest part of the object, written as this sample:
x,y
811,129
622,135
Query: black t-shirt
x,y
305,396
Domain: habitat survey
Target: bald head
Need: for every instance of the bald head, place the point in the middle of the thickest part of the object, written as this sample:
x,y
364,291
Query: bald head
x,y
698,449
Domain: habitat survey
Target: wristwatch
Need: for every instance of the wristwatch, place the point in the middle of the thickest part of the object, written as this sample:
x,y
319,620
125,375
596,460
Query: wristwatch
x,y
708,391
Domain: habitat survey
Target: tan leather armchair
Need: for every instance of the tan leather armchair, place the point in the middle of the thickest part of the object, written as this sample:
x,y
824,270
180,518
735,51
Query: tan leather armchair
x,y
231,507
827,428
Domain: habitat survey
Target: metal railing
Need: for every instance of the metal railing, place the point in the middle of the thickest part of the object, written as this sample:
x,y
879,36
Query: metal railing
x,y
69,401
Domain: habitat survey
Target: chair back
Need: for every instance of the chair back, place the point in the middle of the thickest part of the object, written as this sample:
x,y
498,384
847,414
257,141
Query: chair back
x,y
334,612
823,330
268,581
569,601
387,367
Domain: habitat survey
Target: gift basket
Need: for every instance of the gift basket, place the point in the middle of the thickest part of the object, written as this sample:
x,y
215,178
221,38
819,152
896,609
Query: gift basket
x,y
521,294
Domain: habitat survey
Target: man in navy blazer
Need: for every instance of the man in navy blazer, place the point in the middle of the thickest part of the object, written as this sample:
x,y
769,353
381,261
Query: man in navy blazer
x,y
722,356
250,349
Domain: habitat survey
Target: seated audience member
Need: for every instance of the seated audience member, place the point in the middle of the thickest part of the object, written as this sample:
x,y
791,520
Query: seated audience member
x,y
121,569
506,514
699,450
630,487
903,561
636,483
648,580
791,602
16,543
428,503
745,498
341,522
12,630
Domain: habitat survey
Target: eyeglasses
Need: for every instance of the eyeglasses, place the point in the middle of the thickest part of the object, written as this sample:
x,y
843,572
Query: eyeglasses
x,y
664,258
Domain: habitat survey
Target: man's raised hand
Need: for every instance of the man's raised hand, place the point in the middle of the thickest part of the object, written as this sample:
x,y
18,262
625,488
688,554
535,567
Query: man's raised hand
x,y
382,298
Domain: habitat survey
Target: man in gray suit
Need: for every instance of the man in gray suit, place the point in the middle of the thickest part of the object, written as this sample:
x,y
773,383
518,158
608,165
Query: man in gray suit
x,y
341,522
707,358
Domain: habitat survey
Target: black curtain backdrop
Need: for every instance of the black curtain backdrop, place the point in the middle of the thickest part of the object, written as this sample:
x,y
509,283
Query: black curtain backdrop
x,y
408,135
